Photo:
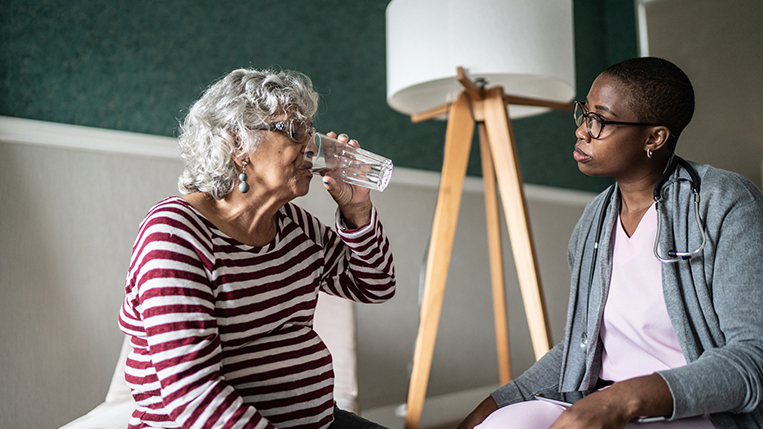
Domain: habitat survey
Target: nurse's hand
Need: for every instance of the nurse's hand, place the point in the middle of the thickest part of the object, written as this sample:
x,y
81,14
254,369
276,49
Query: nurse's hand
x,y
618,404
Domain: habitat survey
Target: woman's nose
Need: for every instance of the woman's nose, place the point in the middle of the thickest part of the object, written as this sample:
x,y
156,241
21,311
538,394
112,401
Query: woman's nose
x,y
582,132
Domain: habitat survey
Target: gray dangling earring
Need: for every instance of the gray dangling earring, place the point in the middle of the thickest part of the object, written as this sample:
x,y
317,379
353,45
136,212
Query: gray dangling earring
x,y
243,187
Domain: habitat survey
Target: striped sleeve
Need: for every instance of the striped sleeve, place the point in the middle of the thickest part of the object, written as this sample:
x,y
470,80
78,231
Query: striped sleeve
x,y
171,296
359,263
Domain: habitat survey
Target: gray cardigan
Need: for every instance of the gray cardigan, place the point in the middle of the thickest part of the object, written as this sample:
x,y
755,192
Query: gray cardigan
x,y
715,302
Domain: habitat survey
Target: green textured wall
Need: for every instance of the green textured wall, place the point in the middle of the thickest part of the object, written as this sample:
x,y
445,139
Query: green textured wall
x,y
137,65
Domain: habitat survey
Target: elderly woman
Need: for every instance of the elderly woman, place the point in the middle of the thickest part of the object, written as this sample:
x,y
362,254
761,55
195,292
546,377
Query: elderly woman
x,y
667,277
223,281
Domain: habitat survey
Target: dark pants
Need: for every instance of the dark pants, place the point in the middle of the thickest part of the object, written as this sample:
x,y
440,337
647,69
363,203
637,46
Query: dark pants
x,y
347,420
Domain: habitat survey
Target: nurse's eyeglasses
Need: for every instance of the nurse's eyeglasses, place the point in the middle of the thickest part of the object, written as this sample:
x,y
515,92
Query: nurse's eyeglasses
x,y
595,124
297,130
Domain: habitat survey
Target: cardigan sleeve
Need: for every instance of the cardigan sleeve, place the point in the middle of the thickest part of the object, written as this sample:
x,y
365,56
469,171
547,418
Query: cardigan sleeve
x,y
543,375
727,376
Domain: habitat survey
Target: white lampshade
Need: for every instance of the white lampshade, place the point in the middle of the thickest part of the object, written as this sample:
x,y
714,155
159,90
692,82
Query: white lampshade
x,y
526,46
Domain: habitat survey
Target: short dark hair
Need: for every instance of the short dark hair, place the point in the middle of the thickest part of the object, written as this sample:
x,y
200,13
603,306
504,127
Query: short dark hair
x,y
661,93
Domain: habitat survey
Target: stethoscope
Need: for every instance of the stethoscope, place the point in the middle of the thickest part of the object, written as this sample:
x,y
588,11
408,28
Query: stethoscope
x,y
673,255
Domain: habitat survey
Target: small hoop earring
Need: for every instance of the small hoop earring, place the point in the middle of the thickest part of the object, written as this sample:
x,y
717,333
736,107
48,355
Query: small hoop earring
x,y
649,153
243,187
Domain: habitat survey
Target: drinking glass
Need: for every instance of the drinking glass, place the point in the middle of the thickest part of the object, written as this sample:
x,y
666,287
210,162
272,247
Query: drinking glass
x,y
349,164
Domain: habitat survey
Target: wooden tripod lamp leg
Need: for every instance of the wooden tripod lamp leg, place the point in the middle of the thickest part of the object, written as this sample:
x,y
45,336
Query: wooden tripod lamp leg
x,y
496,258
501,138
457,142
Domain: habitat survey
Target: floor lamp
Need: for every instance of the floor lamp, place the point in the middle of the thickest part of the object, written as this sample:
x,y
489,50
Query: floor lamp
x,y
523,49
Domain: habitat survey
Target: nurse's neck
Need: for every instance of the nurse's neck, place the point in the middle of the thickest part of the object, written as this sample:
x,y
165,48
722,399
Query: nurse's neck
x,y
637,196
633,206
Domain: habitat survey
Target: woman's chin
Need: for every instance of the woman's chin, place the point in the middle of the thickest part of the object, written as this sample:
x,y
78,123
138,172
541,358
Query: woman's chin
x,y
303,186
586,169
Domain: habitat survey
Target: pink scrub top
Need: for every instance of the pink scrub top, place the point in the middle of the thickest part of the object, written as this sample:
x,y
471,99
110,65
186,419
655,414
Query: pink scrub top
x,y
636,332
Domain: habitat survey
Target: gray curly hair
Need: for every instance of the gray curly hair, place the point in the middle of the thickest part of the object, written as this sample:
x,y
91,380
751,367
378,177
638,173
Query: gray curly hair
x,y
215,133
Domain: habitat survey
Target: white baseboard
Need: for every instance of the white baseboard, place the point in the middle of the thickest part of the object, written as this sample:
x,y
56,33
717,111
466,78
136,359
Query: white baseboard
x,y
77,137
438,410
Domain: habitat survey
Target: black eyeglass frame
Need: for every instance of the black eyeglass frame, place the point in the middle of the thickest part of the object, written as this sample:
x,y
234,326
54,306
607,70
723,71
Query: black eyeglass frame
x,y
287,127
604,122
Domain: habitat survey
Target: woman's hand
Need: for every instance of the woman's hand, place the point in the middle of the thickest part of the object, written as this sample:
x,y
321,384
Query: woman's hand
x,y
616,405
484,409
353,201
597,410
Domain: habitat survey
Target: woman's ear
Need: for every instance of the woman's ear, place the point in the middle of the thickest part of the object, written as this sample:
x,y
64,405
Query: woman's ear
x,y
239,153
658,139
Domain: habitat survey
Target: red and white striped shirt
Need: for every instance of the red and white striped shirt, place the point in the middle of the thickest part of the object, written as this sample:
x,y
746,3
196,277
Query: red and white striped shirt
x,y
222,332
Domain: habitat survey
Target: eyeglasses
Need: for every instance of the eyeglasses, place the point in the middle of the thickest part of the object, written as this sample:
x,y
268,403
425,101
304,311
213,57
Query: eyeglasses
x,y
595,124
297,129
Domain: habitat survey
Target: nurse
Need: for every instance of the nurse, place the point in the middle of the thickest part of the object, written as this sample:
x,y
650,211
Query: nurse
x,y
680,338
